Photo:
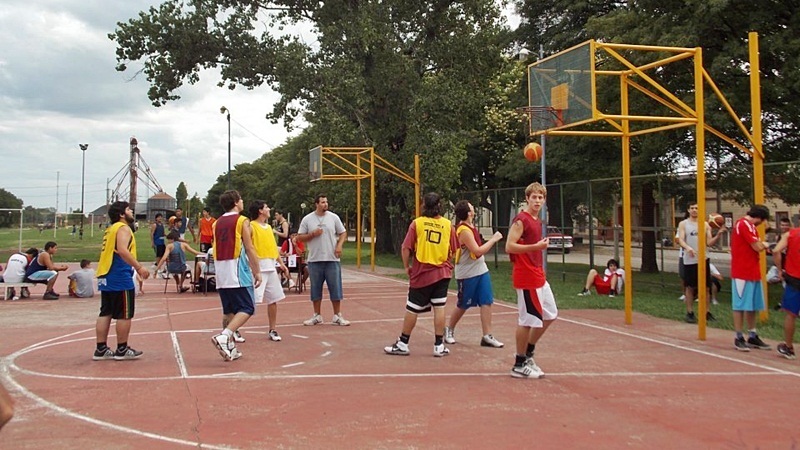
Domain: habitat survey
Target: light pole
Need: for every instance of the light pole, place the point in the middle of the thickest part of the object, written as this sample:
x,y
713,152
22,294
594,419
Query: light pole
x,y
227,111
83,147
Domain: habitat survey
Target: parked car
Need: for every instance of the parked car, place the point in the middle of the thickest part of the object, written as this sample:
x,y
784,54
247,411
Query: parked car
x,y
558,241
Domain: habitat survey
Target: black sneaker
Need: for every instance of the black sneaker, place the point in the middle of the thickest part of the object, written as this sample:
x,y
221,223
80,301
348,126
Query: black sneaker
x,y
49,296
786,351
585,293
127,354
741,345
756,342
103,355
710,317
690,318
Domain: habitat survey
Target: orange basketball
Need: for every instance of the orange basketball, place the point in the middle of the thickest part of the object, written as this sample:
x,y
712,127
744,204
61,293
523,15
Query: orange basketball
x,y
715,220
533,152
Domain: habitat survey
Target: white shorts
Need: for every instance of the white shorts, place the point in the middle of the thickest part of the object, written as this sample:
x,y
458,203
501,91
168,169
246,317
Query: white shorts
x,y
535,306
270,290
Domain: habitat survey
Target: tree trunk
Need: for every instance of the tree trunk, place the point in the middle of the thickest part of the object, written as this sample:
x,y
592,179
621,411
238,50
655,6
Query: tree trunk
x,y
648,212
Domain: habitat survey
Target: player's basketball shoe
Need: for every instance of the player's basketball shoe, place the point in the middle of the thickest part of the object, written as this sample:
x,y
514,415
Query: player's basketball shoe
x,y
786,351
756,342
449,335
103,355
339,320
237,337
314,320
274,336
741,345
490,341
399,348
440,350
127,354
224,346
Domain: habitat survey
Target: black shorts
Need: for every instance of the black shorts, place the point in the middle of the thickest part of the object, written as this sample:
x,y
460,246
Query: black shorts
x,y
690,275
117,304
160,250
421,300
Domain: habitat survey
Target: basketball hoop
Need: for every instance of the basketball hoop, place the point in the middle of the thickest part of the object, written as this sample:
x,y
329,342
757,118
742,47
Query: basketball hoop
x,y
542,117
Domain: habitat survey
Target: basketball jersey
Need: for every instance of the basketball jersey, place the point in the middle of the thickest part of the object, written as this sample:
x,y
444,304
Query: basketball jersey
x,y
745,263
527,271
207,230
113,273
230,259
433,240
264,243
791,260
467,264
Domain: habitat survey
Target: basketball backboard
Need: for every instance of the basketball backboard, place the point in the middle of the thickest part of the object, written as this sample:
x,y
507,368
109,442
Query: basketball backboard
x,y
315,163
560,89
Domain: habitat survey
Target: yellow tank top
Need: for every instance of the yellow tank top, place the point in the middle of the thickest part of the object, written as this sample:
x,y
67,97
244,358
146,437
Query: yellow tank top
x,y
264,241
433,240
109,248
462,249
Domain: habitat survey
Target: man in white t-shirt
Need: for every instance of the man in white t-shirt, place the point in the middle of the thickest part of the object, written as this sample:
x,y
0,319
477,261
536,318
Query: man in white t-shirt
x,y
15,271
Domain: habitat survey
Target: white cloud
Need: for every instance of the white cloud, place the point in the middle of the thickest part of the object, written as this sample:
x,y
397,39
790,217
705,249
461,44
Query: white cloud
x,y
58,88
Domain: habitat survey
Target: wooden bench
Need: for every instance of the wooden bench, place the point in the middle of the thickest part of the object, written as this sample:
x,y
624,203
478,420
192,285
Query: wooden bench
x,y
4,287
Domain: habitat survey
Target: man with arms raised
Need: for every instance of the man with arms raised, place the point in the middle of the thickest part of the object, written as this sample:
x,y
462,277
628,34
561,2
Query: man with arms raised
x,y
115,283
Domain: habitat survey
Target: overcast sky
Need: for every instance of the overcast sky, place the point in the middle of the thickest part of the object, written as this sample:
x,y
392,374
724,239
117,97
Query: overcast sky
x,y
58,89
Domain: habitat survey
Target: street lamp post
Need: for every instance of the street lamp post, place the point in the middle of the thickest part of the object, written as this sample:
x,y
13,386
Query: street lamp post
x,y
83,147
227,111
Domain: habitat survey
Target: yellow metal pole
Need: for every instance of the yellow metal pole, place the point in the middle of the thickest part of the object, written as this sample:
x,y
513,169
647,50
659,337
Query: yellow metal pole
x,y
626,201
758,152
417,186
700,143
358,213
372,209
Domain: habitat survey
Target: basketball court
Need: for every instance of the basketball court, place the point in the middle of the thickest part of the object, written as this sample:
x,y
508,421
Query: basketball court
x,y
608,385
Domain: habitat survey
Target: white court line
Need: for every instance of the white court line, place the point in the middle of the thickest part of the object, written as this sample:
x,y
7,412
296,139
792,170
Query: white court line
x,y
286,366
328,353
178,354
18,387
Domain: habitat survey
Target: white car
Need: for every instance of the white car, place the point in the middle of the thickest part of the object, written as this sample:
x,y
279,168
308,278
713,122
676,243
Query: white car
x,y
558,241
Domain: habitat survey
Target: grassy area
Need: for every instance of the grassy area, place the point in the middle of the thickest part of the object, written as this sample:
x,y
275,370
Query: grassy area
x,y
654,294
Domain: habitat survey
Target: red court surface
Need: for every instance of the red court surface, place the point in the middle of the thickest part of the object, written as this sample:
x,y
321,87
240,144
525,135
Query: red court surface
x,y
608,385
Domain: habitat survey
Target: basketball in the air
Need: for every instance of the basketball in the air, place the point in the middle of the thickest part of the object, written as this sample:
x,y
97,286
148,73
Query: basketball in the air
x,y
533,152
715,220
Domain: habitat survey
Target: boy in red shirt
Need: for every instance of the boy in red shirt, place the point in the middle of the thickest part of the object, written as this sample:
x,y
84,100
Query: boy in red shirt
x,y
747,296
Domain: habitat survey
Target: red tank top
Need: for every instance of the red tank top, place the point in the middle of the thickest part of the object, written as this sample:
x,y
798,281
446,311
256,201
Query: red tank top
x,y
527,271
791,262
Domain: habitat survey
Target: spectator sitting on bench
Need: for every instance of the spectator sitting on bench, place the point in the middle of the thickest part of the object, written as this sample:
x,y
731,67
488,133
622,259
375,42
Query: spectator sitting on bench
x,y
81,282
15,271
609,284
42,270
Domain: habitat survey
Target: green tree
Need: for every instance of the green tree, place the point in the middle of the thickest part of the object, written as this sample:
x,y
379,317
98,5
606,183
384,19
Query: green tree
x,y
9,201
181,195
404,77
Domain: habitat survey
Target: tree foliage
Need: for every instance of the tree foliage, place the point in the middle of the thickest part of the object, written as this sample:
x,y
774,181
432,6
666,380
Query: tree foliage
x,y
9,201
404,77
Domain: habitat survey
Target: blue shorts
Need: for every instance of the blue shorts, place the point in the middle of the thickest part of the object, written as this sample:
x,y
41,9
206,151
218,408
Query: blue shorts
x,y
791,300
475,291
746,295
237,300
329,272
42,276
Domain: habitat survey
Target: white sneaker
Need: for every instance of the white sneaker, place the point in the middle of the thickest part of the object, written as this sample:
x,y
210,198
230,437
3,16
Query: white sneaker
x,y
314,320
222,342
524,371
274,336
449,335
237,337
536,370
490,341
339,320
440,350
235,354
399,348
682,297
714,301
291,283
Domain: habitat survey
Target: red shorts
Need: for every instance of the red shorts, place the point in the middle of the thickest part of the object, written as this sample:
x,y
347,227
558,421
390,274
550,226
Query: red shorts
x,y
602,287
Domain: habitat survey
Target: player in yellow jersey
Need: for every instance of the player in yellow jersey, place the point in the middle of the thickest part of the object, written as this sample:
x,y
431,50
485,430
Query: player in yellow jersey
x,y
115,283
266,247
431,240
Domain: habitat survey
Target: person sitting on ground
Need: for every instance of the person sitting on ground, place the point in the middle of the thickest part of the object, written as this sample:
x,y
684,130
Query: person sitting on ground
x,y
716,285
42,270
81,282
175,258
609,284
15,272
